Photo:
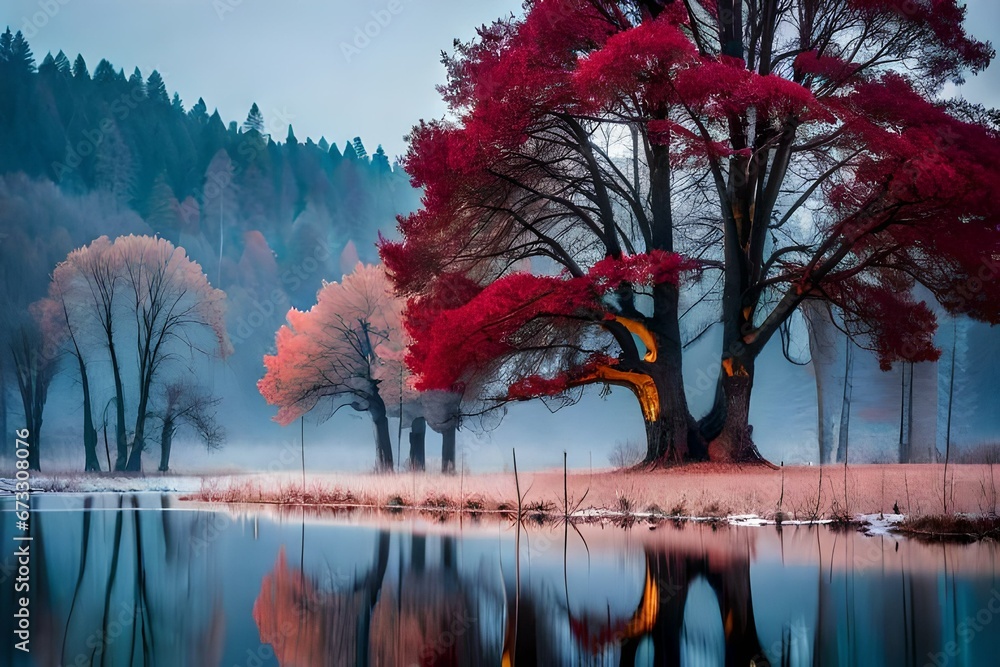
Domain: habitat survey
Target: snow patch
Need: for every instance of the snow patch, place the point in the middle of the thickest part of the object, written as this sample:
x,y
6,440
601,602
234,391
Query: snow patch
x,y
880,524
102,484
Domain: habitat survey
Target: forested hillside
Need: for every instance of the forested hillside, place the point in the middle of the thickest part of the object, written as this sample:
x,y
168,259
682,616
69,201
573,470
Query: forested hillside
x,y
88,150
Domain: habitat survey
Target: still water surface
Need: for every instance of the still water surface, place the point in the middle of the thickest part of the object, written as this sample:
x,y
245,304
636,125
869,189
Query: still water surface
x,y
146,579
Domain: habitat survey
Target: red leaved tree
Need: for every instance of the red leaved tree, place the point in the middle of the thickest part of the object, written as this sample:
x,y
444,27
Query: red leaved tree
x,y
796,149
339,353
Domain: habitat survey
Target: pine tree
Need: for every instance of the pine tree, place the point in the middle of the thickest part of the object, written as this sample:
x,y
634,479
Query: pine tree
x,y
48,64
21,59
163,209
290,140
6,39
136,85
114,169
156,91
349,152
176,104
255,120
214,136
199,112
104,73
80,71
323,145
62,64
380,161
219,209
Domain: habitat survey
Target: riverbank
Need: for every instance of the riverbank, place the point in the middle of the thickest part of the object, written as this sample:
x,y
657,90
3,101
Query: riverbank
x,y
698,490
885,497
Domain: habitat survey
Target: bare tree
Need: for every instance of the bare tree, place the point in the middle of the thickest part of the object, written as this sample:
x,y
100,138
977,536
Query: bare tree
x,y
191,406
34,368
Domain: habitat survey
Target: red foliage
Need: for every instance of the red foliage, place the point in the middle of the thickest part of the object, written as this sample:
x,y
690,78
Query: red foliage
x,y
503,179
535,386
900,328
920,201
950,50
517,313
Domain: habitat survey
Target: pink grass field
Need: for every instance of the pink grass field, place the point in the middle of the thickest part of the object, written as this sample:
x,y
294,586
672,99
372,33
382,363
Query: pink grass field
x,y
698,490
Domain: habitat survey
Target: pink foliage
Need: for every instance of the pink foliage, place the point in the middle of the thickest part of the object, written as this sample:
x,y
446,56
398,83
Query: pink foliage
x,y
169,288
347,349
147,280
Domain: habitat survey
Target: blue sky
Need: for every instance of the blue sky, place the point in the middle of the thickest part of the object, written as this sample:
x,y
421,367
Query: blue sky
x,y
337,68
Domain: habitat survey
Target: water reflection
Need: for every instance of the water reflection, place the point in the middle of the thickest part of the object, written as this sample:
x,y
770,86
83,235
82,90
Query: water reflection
x,y
144,580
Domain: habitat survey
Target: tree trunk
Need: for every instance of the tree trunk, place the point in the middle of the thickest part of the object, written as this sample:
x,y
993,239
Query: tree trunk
x,y
92,463
107,450
32,383
42,380
823,344
418,433
735,442
134,463
448,448
710,425
122,457
844,438
671,432
166,439
34,460
906,404
383,443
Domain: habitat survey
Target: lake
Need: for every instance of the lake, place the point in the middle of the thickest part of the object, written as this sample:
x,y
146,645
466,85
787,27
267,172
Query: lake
x,y
146,579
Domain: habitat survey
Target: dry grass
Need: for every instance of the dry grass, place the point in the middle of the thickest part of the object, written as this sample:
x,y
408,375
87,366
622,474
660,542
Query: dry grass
x,y
952,527
698,490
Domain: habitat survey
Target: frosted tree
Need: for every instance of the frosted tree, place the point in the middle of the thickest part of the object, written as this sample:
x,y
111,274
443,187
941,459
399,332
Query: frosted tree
x,y
141,291
172,303
87,286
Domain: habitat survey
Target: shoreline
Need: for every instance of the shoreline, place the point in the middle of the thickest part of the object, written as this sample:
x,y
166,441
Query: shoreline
x,y
876,498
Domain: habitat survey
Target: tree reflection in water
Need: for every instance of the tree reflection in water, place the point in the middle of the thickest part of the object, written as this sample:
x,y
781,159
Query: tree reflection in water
x,y
130,580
